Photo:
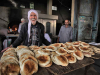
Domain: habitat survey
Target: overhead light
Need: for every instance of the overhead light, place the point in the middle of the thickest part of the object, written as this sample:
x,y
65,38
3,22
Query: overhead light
x,y
54,8
22,6
69,8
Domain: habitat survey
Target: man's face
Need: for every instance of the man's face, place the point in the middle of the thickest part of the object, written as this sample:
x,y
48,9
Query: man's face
x,y
66,22
33,18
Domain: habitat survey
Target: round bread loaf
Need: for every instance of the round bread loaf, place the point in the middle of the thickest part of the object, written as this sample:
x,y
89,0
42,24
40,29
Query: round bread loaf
x,y
60,60
20,47
56,45
85,44
29,67
51,48
24,51
25,57
61,51
34,48
76,44
84,49
71,58
78,54
70,49
43,60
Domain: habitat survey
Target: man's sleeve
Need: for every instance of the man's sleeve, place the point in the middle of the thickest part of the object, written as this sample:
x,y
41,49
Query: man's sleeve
x,y
60,32
71,33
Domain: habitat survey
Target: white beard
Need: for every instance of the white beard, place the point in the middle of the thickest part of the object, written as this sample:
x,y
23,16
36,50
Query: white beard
x,y
33,22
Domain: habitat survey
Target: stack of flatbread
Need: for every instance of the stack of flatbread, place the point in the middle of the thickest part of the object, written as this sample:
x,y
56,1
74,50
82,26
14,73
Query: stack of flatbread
x,y
59,59
42,55
57,53
95,49
9,63
28,63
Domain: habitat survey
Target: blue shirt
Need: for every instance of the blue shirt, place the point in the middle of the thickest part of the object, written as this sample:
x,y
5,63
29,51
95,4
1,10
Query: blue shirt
x,y
65,34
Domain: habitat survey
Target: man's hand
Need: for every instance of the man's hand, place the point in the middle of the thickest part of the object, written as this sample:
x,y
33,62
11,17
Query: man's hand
x,y
5,49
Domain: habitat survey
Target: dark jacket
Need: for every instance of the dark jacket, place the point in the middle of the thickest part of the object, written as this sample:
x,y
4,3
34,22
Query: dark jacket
x,y
23,36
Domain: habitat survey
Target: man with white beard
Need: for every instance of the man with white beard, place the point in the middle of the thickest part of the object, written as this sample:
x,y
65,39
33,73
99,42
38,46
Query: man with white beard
x,y
31,33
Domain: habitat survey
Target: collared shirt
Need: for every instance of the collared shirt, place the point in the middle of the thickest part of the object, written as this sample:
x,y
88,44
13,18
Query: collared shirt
x,y
65,34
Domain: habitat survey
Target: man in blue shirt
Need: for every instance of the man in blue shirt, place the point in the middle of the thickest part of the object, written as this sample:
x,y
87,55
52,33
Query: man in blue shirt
x,y
65,33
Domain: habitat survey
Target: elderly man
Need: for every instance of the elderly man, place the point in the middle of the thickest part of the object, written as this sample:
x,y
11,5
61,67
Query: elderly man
x,y
31,33
65,33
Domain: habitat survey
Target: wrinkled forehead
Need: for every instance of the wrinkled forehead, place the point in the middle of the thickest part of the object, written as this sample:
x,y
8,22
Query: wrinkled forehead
x,y
32,13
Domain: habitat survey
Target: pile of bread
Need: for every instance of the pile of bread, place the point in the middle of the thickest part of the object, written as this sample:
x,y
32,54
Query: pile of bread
x,y
25,60
9,64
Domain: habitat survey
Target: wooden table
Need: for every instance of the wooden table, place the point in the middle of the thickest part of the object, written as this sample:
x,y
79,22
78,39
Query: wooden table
x,y
60,70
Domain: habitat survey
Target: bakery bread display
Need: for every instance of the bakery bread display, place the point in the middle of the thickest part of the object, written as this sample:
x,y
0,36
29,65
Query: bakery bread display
x,y
25,60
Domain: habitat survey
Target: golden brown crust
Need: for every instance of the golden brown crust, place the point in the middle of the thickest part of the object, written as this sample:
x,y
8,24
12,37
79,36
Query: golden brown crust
x,y
69,43
76,43
34,47
78,53
22,46
84,49
10,68
25,57
43,59
70,48
62,58
30,67
85,44
50,47
69,57
61,51
77,48
56,44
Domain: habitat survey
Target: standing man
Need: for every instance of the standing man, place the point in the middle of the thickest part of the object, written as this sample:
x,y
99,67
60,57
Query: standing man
x,y
31,33
65,33
22,22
